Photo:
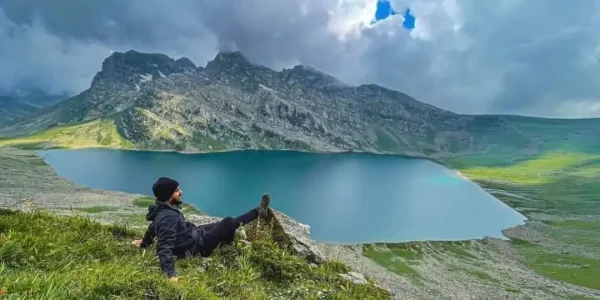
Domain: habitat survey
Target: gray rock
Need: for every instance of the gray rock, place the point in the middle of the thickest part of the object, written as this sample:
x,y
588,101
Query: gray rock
x,y
354,277
390,292
298,235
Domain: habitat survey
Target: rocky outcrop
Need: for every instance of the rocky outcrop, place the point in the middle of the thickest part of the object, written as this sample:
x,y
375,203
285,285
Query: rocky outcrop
x,y
285,230
133,67
297,236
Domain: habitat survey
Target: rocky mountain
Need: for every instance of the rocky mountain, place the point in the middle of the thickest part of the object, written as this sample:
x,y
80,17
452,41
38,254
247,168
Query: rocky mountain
x,y
157,102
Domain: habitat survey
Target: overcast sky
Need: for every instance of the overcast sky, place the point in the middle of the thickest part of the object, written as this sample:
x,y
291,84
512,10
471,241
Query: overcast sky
x,y
532,57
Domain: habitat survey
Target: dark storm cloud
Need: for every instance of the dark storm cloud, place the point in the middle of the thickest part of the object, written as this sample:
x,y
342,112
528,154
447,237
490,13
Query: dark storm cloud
x,y
60,47
515,56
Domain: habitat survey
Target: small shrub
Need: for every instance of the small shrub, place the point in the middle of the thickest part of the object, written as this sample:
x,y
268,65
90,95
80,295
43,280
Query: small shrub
x,y
336,267
143,201
277,264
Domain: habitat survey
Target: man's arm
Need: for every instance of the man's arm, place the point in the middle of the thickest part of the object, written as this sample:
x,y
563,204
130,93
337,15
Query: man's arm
x,y
167,234
148,238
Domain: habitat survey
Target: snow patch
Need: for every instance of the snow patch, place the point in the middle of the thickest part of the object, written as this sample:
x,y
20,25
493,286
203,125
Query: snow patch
x,y
125,131
161,74
145,77
137,87
266,88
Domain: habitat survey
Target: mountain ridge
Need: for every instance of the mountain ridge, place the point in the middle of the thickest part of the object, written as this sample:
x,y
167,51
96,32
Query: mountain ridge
x,y
232,103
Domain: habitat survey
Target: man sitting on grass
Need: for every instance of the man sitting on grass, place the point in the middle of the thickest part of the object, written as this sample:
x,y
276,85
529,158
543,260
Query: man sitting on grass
x,y
178,237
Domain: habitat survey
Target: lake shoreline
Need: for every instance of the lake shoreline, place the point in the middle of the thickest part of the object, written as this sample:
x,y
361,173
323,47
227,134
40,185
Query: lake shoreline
x,y
502,236
201,152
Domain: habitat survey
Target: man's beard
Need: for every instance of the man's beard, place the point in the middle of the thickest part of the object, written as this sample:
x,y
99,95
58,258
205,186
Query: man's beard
x,y
177,201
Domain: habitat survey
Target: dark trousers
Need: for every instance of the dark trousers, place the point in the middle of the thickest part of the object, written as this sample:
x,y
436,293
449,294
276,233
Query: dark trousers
x,y
223,231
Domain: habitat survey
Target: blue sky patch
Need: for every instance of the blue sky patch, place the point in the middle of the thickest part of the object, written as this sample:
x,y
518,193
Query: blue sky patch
x,y
385,10
409,20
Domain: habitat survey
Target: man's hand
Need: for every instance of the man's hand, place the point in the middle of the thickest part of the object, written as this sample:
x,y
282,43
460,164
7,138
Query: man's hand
x,y
174,278
136,243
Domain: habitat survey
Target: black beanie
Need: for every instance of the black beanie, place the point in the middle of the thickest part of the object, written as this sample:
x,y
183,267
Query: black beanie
x,y
164,187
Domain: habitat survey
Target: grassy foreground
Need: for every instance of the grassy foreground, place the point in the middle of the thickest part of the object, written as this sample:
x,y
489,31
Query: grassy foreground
x,y
43,256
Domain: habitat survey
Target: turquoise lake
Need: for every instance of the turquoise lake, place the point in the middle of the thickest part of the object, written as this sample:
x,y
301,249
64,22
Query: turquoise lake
x,y
345,198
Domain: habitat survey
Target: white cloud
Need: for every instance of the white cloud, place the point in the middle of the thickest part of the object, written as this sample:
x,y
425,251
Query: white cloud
x,y
350,18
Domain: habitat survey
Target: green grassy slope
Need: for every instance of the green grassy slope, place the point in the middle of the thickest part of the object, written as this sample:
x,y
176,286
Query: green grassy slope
x,y
47,257
98,133
561,191
530,137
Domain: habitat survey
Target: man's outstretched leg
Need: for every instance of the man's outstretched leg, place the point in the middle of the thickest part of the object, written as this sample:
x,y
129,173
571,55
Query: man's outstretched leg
x,y
224,230
261,211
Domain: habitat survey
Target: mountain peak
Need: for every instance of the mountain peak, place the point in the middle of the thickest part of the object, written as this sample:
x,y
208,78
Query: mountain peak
x,y
310,76
233,65
185,63
133,67
228,61
232,57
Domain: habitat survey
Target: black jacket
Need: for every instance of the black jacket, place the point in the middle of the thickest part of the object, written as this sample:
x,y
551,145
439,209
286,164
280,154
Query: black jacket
x,y
175,235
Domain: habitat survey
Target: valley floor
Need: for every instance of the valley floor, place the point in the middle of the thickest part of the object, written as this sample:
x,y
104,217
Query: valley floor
x,y
555,256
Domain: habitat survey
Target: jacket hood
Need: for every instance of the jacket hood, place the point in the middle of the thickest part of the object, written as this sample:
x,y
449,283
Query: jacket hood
x,y
155,208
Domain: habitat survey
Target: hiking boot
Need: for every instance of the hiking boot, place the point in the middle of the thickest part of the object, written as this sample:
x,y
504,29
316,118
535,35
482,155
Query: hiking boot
x,y
263,207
